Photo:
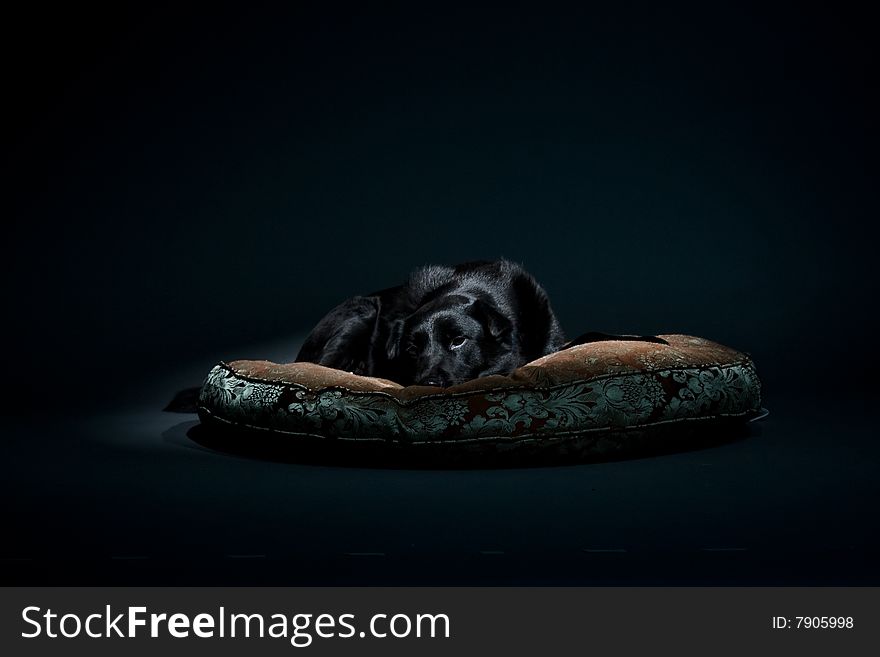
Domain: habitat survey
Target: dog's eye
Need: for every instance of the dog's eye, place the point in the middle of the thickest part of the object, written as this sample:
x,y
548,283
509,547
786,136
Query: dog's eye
x,y
457,341
412,350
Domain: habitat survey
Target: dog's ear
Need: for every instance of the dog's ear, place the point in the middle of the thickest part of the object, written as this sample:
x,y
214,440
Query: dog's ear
x,y
495,322
395,334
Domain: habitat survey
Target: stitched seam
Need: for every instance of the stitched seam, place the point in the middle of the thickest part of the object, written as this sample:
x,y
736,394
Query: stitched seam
x,y
513,439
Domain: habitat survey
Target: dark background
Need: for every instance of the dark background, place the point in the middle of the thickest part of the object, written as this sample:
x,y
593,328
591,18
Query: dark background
x,y
183,182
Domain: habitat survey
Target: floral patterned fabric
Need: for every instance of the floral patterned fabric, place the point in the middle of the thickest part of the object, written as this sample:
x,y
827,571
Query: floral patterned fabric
x,y
587,389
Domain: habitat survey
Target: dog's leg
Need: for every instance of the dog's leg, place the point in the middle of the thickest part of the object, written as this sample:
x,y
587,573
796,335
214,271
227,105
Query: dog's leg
x,y
343,338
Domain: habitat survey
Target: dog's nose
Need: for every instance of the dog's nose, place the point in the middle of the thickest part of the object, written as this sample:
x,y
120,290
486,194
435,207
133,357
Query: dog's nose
x,y
433,376
437,378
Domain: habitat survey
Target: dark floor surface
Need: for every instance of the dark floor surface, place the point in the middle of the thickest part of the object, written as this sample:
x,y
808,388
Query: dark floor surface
x,y
126,497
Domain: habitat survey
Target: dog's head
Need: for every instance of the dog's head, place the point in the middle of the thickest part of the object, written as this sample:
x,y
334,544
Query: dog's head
x,y
452,339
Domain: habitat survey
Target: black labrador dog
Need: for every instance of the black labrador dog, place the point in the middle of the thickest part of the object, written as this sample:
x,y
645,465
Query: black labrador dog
x,y
445,325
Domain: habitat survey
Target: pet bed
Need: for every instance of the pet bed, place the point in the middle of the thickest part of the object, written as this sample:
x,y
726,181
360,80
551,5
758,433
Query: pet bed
x,y
586,400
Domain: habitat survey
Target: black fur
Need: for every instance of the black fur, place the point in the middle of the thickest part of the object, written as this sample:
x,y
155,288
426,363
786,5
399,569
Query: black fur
x,y
445,325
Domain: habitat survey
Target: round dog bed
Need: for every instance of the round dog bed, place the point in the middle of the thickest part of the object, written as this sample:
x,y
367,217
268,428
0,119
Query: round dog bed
x,y
592,399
